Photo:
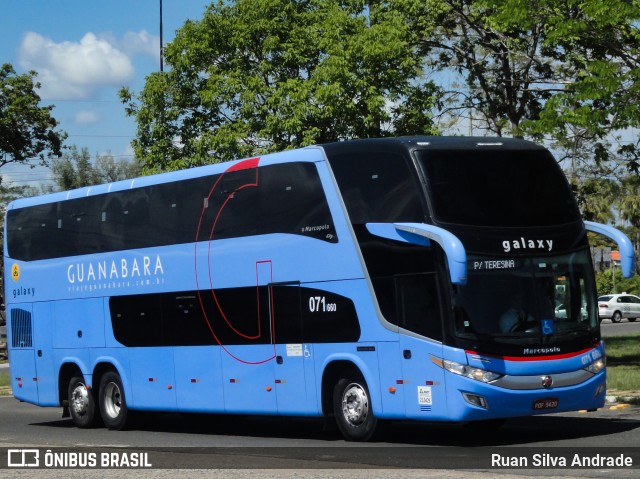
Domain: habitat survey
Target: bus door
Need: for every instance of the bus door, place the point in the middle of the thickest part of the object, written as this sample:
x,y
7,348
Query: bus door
x,y
294,358
43,350
419,317
249,351
152,371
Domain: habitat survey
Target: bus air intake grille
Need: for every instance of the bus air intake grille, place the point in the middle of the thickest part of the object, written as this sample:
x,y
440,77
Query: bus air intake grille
x,y
21,334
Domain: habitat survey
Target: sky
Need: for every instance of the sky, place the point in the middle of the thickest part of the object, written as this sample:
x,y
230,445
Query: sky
x,y
84,51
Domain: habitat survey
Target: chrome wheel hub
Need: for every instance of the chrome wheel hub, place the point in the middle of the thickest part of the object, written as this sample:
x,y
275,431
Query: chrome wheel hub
x,y
80,400
112,400
355,404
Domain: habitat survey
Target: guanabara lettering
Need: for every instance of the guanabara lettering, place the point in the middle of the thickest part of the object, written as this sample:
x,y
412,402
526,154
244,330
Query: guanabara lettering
x,y
114,270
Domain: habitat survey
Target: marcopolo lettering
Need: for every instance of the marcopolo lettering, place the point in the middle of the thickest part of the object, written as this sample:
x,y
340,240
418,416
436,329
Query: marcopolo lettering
x,y
527,244
114,270
550,350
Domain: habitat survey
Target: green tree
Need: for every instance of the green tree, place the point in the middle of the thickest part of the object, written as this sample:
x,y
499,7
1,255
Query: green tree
x,y
564,68
629,200
496,49
628,206
109,169
598,44
27,130
75,169
612,282
255,76
596,198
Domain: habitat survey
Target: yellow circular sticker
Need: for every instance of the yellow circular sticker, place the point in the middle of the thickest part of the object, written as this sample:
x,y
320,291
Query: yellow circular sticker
x,y
15,272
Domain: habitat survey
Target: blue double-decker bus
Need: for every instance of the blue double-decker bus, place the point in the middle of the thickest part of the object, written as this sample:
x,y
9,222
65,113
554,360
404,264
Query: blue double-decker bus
x,y
427,278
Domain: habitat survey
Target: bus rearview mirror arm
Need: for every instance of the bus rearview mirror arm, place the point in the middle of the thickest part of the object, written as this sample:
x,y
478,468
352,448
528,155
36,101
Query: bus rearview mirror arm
x,y
627,254
421,234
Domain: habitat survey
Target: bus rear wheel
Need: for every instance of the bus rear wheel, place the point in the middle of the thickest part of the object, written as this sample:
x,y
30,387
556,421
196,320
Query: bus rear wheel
x,y
82,405
352,408
113,405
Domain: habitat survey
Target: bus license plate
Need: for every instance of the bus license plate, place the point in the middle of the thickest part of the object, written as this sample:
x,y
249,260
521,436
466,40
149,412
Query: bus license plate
x,y
548,403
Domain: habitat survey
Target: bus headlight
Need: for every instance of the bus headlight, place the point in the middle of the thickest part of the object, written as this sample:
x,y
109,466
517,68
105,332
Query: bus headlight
x,y
597,366
478,374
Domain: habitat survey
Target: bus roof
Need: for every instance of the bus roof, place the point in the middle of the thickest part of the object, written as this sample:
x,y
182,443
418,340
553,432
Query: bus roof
x,y
309,154
312,153
436,142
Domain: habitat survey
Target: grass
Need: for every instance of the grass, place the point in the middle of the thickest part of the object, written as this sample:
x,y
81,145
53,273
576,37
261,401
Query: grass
x,y
4,378
623,362
623,349
623,378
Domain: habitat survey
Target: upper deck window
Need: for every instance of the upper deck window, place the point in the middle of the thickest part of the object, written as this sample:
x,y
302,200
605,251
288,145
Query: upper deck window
x,y
497,188
280,198
377,186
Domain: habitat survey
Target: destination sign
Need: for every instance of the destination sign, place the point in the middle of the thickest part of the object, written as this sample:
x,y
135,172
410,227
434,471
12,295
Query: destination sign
x,y
492,264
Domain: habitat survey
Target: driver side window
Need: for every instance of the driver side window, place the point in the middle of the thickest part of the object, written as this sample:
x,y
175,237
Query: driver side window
x,y
411,302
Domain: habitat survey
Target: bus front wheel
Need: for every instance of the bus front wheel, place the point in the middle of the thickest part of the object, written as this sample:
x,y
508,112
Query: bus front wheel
x,y
82,405
113,406
352,408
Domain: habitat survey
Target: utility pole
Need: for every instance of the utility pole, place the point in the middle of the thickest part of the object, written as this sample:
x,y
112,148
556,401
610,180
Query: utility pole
x,y
161,46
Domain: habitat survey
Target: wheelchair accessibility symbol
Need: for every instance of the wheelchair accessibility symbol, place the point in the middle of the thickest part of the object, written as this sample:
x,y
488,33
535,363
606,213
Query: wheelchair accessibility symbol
x,y
548,327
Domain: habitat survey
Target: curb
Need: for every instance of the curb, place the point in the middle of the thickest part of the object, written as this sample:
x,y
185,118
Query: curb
x,y
624,399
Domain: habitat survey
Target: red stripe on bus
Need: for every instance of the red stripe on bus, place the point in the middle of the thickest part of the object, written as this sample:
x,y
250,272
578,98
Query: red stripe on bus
x,y
244,165
550,357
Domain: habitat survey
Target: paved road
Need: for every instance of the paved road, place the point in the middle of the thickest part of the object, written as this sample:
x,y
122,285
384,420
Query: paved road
x,y
619,329
23,423
296,447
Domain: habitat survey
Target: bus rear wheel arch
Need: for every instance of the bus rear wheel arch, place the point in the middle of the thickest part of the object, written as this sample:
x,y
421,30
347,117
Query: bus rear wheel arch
x,y
113,404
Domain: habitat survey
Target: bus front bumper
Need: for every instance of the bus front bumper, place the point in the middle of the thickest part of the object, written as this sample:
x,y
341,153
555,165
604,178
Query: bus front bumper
x,y
471,400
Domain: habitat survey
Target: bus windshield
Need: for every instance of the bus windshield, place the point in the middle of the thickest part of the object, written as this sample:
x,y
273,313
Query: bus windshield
x,y
539,300
497,188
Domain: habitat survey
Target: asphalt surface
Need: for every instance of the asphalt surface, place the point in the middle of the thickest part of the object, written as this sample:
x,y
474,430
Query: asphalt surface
x,y
250,442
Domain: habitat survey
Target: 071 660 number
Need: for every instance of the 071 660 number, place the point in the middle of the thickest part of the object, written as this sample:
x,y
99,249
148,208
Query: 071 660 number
x,y
319,304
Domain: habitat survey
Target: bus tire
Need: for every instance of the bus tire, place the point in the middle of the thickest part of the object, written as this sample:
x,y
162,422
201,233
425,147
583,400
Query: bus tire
x,y
352,408
82,404
113,405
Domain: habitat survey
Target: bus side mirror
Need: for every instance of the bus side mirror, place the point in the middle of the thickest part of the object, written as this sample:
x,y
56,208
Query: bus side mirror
x,y
422,234
627,255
